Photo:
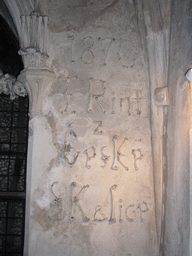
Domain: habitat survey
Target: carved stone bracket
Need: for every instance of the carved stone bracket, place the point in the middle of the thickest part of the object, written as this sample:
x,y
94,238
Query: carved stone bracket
x,y
36,81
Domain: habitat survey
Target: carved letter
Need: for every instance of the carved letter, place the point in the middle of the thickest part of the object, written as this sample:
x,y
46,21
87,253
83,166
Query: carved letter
x,y
120,154
71,39
98,210
57,200
97,89
143,208
105,158
89,157
55,211
67,147
112,217
114,165
136,157
75,200
128,106
126,213
97,130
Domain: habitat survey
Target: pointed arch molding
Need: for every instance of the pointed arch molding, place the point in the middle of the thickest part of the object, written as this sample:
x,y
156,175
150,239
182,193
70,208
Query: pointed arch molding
x,y
18,8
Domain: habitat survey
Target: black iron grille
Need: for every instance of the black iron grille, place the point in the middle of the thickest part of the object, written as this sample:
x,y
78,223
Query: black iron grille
x,y
13,155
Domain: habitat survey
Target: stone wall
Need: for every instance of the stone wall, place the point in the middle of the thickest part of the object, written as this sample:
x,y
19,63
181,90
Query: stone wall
x,y
92,178
108,169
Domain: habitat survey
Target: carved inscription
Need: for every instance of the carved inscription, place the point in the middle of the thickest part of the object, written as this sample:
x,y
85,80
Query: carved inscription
x,y
104,157
89,156
99,215
114,165
75,200
70,155
128,105
119,154
131,213
96,90
57,199
71,39
98,129
137,156
70,139
96,94
55,212
120,209
101,50
143,208
105,48
112,217
131,210
87,56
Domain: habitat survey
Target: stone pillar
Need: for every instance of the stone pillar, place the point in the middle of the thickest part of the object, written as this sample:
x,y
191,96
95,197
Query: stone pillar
x,y
36,78
36,81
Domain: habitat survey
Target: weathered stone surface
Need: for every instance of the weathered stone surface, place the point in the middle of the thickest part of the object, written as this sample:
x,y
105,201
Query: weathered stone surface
x,y
108,171
97,195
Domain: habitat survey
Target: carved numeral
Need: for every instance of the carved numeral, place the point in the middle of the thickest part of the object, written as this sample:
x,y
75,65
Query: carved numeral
x,y
71,39
105,45
87,56
126,54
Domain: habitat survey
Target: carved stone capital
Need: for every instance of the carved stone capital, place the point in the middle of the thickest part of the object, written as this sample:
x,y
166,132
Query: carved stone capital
x,y
36,81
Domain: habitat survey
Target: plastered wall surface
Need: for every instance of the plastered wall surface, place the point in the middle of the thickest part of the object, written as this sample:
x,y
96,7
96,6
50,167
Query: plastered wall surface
x,y
92,190
108,171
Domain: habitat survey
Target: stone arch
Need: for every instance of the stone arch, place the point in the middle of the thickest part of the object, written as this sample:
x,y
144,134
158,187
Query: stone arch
x,y
15,10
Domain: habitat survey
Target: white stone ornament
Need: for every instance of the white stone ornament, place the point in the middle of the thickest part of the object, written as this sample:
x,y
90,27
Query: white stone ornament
x,y
161,96
10,85
34,28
